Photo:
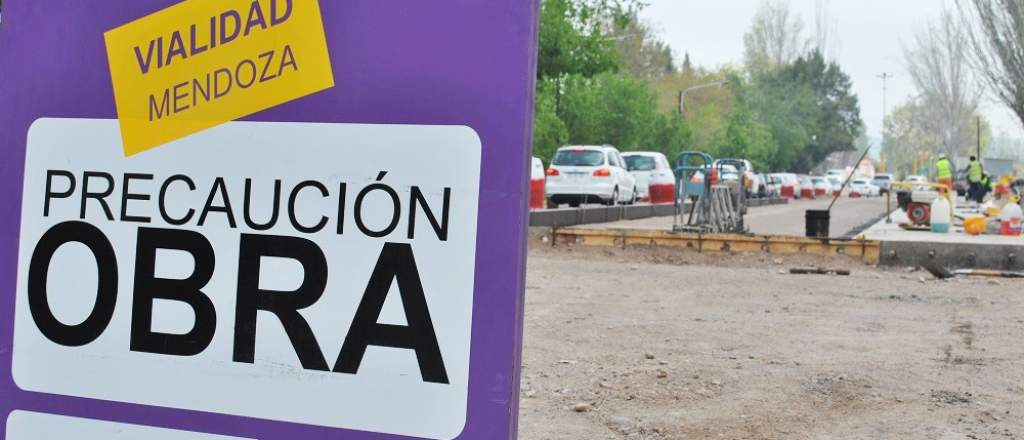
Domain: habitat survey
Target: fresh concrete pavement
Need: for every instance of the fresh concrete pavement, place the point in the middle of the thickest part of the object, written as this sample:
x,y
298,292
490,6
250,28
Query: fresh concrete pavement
x,y
849,217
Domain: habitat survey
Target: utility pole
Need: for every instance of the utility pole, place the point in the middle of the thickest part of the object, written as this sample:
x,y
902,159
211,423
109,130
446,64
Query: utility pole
x,y
886,154
682,94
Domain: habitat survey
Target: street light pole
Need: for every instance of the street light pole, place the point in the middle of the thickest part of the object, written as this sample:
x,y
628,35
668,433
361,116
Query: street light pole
x,y
682,94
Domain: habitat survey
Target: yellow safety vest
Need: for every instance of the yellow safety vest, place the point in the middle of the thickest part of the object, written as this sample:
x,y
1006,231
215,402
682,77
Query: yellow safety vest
x,y
945,170
974,172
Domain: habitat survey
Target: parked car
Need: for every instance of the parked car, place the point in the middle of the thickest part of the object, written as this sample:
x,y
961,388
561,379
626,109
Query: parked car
x,y
960,184
882,181
806,187
864,187
821,186
758,186
773,185
789,185
839,175
730,173
918,179
655,180
589,174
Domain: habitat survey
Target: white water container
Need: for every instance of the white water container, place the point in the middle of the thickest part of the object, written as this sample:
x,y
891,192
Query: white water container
x,y
942,217
1011,220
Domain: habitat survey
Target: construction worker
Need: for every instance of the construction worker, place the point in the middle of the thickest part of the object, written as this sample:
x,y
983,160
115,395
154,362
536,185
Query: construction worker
x,y
974,174
987,186
944,172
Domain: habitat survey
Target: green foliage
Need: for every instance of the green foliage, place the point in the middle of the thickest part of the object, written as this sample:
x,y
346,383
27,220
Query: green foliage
x,y
643,55
549,132
910,140
746,137
608,109
593,89
670,135
837,120
581,96
571,38
809,108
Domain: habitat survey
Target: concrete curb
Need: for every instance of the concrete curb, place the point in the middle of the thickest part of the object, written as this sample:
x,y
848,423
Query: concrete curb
x,y
1006,257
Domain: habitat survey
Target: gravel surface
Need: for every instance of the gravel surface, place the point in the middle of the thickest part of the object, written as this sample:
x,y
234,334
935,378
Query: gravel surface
x,y
667,344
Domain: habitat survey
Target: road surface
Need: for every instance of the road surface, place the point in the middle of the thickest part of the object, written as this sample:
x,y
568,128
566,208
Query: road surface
x,y
848,216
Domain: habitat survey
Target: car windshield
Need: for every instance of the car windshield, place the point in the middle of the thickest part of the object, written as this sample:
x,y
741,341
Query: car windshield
x,y
860,182
818,180
640,163
579,158
883,178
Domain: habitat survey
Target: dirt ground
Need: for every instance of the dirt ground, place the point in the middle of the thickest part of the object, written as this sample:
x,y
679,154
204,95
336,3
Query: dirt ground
x,y
670,344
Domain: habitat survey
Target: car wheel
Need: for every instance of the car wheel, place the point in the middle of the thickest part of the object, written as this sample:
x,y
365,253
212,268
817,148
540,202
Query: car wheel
x,y
615,198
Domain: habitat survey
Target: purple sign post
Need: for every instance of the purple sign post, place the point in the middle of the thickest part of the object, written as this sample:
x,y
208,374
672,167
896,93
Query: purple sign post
x,y
263,219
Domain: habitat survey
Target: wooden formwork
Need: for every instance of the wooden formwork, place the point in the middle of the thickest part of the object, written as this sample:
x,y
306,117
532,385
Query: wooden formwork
x,y
867,251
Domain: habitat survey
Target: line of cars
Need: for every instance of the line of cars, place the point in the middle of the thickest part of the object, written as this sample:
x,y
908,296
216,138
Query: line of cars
x,y
580,175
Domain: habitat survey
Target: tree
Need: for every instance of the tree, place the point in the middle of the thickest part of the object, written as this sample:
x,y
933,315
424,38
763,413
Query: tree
x,y
746,137
837,120
572,40
549,132
948,95
643,54
775,38
809,108
707,111
996,35
571,43
906,143
826,39
608,109
1007,147
909,138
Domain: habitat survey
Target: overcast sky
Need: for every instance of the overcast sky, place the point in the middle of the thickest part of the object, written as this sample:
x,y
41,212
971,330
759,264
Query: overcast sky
x,y
870,32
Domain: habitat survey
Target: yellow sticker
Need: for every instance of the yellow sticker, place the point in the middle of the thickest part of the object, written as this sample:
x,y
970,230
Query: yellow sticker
x,y
201,63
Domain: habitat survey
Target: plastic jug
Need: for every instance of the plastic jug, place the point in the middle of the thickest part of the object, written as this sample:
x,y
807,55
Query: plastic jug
x,y
1011,219
942,218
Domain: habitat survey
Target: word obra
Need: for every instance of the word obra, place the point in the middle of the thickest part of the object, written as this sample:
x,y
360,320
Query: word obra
x,y
395,264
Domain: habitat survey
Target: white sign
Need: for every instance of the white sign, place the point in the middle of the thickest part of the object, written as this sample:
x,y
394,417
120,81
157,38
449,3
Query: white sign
x,y
319,274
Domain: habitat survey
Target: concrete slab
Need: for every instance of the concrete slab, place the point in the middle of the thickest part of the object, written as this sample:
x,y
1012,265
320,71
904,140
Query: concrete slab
x,y
891,232
955,250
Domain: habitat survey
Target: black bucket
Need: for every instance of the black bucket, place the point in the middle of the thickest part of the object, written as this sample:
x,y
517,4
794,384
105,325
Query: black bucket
x,y
817,223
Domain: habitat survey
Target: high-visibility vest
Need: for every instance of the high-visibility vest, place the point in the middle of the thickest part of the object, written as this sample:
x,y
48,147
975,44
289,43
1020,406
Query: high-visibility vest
x,y
944,169
974,171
